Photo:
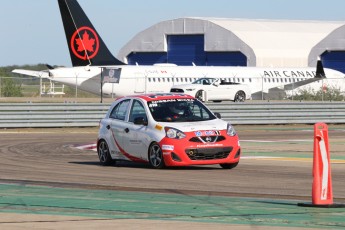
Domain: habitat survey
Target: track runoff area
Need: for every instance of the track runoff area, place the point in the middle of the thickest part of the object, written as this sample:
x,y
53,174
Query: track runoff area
x,y
263,213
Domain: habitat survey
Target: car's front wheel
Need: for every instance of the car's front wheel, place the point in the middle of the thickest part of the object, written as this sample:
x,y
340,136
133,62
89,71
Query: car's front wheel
x,y
156,159
240,96
229,166
104,153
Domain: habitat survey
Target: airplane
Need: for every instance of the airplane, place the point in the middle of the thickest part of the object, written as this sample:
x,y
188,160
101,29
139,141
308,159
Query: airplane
x,y
92,62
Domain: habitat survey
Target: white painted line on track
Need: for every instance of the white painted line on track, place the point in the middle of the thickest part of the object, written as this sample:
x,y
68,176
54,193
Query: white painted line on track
x,y
258,157
275,141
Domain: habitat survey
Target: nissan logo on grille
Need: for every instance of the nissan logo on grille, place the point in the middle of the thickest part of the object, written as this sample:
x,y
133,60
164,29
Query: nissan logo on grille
x,y
208,139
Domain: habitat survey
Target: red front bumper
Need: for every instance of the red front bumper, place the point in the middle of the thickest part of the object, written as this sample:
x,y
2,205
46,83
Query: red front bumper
x,y
193,151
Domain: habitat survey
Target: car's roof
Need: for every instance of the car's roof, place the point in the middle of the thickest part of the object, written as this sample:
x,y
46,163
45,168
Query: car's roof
x,y
160,96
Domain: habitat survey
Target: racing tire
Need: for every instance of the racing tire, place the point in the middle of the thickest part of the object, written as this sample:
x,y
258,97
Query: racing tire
x,y
155,156
104,153
240,96
229,166
198,95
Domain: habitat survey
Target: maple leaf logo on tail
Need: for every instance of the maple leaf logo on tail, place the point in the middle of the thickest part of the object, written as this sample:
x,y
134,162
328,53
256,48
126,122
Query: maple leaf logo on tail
x,y
84,43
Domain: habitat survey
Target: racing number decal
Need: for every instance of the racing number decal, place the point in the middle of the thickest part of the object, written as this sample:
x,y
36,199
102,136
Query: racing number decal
x,y
84,43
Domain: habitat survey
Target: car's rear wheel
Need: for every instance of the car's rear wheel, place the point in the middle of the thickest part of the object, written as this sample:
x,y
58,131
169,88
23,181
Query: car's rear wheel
x,y
229,166
104,153
156,159
198,95
240,96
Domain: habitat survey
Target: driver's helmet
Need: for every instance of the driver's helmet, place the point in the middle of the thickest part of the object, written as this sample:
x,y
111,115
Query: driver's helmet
x,y
178,109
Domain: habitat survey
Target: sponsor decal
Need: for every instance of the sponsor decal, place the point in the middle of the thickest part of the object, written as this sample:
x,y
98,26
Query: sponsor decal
x,y
198,134
209,145
84,43
207,133
135,142
168,147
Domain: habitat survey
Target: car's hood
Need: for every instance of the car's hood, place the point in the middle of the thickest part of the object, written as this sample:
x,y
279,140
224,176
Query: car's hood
x,y
216,124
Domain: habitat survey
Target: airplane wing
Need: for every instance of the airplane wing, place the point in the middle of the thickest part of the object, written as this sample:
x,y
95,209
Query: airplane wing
x,y
38,74
320,73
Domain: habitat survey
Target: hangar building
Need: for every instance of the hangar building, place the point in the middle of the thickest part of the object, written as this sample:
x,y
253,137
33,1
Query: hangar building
x,y
239,42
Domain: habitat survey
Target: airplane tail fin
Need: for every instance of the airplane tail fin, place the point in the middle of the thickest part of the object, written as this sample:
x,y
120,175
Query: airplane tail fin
x,y
320,72
85,45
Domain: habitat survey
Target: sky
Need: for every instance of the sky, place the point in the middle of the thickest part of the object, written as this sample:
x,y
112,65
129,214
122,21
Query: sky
x,y
32,30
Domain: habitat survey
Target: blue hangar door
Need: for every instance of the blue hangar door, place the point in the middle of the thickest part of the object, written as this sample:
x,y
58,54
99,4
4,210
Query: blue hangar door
x,y
188,49
184,50
334,60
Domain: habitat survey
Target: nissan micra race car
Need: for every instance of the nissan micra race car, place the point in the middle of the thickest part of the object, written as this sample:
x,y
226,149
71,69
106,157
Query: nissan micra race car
x,y
166,130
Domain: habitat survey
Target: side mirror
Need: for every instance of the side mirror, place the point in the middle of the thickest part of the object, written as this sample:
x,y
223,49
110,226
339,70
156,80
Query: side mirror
x,y
140,121
218,115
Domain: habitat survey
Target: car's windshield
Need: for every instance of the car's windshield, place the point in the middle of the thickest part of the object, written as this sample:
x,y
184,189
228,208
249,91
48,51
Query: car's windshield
x,y
204,81
179,110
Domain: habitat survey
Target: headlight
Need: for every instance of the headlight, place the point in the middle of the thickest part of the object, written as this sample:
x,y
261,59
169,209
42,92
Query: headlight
x,y
230,130
174,133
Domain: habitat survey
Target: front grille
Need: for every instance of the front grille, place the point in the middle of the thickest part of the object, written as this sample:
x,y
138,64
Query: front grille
x,y
208,153
173,90
207,139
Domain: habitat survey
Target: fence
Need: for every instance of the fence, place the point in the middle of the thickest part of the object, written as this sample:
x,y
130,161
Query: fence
x,y
35,87
23,115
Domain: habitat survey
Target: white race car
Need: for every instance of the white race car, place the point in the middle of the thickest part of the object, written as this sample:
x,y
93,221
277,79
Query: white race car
x,y
166,130
214,89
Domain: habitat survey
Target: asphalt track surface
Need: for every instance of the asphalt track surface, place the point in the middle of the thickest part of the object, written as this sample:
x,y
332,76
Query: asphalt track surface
x,y
47,183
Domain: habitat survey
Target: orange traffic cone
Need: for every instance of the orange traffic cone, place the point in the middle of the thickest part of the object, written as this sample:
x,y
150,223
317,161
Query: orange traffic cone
x,y
322,193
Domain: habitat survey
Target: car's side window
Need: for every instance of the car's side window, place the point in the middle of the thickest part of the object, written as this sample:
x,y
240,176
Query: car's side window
x,y
200,112
137,110
119,111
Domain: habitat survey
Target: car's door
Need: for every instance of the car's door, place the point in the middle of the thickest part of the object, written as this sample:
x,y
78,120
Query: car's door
x,y
224,92
214,91
136,140
208,87
116,128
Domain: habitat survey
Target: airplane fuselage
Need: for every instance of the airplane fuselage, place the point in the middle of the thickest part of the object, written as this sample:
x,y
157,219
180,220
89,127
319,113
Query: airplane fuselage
x,y
159,79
